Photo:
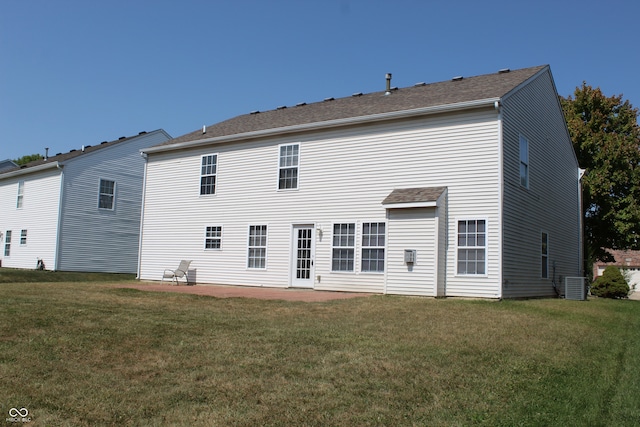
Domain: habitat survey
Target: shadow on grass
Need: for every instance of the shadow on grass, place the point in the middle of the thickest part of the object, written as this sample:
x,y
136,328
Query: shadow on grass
x,y
14,275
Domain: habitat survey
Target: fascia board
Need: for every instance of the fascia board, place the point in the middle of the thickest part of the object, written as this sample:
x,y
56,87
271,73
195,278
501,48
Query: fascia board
x,y
326,124
33,169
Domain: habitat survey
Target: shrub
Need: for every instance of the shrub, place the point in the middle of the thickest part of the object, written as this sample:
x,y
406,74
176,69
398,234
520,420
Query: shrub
x,y
611,284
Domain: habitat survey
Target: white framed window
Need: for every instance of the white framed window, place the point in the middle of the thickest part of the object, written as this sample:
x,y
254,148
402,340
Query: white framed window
x,y
544,255
208,174
7,243
213,237
472,247
289,161
257,247
373,247
107,192
524,162
20,197
343,247
23,237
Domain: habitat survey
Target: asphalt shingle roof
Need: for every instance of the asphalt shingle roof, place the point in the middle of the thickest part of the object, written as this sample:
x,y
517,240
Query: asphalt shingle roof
x,y
414,195
453,91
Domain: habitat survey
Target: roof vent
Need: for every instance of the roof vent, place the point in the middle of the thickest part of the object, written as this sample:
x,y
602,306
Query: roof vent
x,y
88,146
71,151
388,79
121,138
457,78
300,104
329,99
142,133
357,94
46,154
204,129
282,107
103,142
58,154
504,70
420,84
255,112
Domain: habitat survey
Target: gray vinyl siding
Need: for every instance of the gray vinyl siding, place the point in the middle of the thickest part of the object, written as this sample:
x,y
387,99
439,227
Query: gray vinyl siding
x,y
550,204
38,215
344,175
102,240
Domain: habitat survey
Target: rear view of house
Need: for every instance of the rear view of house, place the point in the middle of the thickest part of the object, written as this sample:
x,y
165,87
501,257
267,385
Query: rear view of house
x,y
468,187
77,211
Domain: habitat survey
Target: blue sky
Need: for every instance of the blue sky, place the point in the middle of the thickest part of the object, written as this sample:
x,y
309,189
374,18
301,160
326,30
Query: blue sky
x,y
78,72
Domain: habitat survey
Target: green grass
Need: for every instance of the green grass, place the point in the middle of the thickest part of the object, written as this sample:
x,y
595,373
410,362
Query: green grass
x,y
77,353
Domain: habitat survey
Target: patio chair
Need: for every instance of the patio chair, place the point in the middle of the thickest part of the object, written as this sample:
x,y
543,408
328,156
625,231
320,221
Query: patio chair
x,y
179,272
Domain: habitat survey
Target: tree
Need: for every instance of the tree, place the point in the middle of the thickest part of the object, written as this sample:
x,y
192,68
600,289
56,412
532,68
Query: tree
x,y
611,284
26,159
606,139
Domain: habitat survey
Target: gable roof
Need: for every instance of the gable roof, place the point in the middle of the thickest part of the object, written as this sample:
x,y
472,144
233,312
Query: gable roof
x,y
455,93
7,164
61,158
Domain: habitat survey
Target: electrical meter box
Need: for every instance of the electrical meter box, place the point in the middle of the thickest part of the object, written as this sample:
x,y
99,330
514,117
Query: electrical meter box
x,y
409,256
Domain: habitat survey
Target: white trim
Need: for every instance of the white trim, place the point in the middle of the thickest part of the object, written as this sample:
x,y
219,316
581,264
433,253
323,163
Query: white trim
x,y
115,185
500,203
362,246
215,175
142,209
213,238
266,246
410,205
29,170
355,248
297,166
486,246
488,102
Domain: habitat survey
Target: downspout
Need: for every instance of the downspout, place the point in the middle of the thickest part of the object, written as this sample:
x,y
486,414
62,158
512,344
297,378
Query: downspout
x,y
144,193
498,108
581,173
56,255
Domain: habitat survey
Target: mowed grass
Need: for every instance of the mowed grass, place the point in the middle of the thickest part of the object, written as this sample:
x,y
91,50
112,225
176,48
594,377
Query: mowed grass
x,y
89,353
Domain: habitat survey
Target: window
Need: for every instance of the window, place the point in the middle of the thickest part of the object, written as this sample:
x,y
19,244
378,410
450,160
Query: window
x,y
524,162
257,255
288,167
213,237
23,237
20,198
373,242
472,246
208,174
343,254
544,249
7,243
107,193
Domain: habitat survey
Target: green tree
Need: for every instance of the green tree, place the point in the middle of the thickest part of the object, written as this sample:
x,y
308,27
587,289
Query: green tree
x,y
611,284
606,139
26,159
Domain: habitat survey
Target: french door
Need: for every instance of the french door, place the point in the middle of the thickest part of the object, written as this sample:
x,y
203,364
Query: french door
x,y
303,256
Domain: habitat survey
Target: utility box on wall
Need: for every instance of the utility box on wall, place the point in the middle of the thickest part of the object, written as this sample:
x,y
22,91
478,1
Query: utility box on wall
x,y
409,256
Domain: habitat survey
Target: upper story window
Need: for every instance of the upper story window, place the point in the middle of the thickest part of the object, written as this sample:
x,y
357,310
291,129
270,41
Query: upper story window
x,y
288,166
106,199
208,173
20,198
373,245
472,247
213,237
343,252
524,162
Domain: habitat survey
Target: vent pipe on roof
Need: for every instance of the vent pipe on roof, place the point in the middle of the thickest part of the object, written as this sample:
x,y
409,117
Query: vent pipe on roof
x,y
46,154
388,77
204,129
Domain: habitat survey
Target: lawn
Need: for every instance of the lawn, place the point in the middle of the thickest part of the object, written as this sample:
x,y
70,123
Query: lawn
x,y
89,353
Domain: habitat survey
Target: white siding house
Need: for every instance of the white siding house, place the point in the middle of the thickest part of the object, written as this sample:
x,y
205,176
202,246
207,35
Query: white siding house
x,y
412,191
77,211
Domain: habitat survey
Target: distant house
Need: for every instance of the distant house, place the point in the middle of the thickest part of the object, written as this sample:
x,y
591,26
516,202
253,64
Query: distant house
x,y
77,211
6,165
468,187
627,261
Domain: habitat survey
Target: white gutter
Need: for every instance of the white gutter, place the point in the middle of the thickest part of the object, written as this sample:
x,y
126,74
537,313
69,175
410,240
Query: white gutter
x,y
489,102
25,171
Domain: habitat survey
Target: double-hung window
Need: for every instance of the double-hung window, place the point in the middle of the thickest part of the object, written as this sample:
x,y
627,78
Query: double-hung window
x,y
213,237
20,198
106,198
472,247
373,245
23,237
343,253
288,166
524,162
7,243
208,173
257,248
544,256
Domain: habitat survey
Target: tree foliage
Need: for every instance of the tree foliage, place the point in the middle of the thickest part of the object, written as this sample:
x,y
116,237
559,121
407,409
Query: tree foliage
x,y
611,284
26,159
606,139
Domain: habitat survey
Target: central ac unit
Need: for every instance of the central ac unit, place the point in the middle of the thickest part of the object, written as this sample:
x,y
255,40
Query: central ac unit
x,y
574,288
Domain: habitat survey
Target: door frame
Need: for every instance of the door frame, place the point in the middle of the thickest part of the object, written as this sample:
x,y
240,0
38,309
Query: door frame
x,y
294,282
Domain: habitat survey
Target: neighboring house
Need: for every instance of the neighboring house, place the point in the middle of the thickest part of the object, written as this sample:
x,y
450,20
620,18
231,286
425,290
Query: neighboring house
x,y
78,211
468,187
627,261
6,165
